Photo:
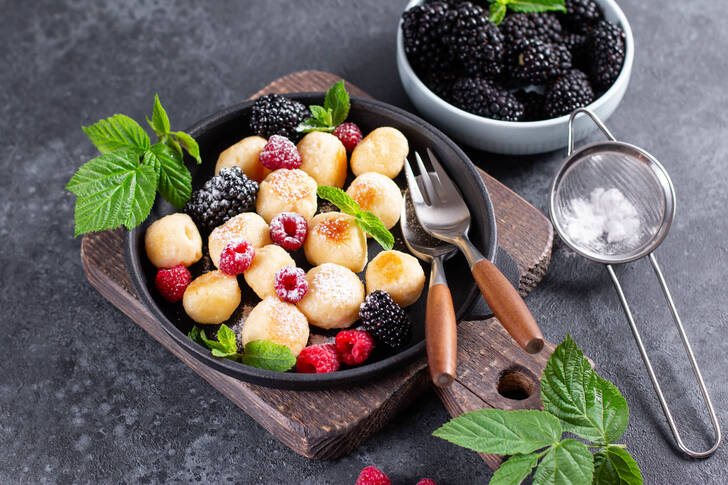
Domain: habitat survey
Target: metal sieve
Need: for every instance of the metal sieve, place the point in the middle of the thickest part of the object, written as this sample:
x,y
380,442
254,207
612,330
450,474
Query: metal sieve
x,y
645,184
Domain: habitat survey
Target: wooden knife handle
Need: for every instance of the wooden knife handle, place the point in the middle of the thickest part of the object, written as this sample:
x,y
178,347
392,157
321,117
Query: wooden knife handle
x,y
441,335
508,306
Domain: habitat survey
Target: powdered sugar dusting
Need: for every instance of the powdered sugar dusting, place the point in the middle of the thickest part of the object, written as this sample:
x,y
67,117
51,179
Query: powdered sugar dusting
x,y
334,283
291,185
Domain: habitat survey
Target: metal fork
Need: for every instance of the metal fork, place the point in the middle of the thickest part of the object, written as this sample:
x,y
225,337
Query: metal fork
x,y
442,212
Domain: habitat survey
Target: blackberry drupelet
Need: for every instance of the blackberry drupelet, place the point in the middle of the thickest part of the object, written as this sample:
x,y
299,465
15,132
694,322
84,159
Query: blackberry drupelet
x,y
474,41
440,82
277,115
520,26
422,29
568,92
580,14
576,43
606,45
535,61
533,104
223,196
483,98
385,320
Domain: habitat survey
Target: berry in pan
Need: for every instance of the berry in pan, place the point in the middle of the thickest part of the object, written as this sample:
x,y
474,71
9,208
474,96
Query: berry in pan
x,y
237,256
288,230
385,320
279,152
172,282
290,284
225,195
353,346
349,134
277,115
317,359
261,274
248,225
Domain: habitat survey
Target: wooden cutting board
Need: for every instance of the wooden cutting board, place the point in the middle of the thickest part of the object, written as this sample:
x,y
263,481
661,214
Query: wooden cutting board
x,y
492,370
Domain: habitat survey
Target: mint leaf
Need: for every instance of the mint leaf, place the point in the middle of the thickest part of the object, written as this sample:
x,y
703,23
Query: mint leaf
x,y
226,337
566,463
340,199
113,189
497,12
194,335
373,225
514,470
588,405
321,114
502,432
528,6
118,131
175,181
160,120
189,144
312,124
337,101
268,355
615,466
212,344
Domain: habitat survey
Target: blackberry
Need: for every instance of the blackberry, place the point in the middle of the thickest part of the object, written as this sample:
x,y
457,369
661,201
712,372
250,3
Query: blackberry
x,y
385,320
422,28
580,14
576,43
535,61
277,115
483,98
517,27
223,196
440,83
568,92
606,47
533,104
474,41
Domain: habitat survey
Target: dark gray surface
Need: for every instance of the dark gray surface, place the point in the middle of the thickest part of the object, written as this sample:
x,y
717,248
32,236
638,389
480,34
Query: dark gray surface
x,y
88,397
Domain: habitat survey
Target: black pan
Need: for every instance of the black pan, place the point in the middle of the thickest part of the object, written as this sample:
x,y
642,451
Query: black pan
x,y
225,128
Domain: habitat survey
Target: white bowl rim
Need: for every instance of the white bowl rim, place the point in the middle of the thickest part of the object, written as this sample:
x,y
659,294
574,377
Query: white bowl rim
x,y
624,74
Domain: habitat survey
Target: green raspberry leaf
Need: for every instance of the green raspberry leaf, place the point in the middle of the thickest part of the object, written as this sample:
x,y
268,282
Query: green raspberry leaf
x,y
268,355
528,6
312,124
497,12
338,102
189,144
615,466
118,131
373,225
502,432
226,337
160,120
340,199
112,190
175,181
174,145
514,470
566,463
588,405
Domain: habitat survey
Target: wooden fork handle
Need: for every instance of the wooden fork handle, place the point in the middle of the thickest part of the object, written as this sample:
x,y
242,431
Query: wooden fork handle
x,y
441,335
508,306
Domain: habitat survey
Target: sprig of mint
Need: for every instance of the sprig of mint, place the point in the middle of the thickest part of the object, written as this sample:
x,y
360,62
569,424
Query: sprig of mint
x,y
575,399
498,8
258,353
119,186
331,114
367,221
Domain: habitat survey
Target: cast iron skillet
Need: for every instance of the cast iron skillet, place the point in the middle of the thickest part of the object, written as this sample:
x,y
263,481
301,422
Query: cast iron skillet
x,y
225,128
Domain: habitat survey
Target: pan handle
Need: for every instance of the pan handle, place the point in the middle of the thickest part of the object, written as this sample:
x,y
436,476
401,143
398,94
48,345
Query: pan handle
x,y
650,370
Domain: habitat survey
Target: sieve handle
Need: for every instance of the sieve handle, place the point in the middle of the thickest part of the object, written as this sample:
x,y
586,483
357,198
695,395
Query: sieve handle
x,y
596,121
650,370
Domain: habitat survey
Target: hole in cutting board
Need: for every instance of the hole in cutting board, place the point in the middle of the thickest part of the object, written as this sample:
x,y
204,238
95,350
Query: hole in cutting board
x,y
516,383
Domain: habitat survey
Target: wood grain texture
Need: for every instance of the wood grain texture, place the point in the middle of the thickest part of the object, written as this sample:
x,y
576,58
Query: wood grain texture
x,y
331,423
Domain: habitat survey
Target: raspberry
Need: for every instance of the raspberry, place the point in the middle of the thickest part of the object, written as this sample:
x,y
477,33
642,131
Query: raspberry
x,y
318,359
235,259
288,230
426,481
280,152
372,476
349,134
172,282
353,346
290,284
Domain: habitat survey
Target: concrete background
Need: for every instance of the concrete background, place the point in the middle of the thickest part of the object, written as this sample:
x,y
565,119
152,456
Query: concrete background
x,y
88,397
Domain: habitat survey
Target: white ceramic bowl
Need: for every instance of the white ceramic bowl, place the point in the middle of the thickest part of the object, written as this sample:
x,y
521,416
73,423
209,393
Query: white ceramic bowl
x,y
514,137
